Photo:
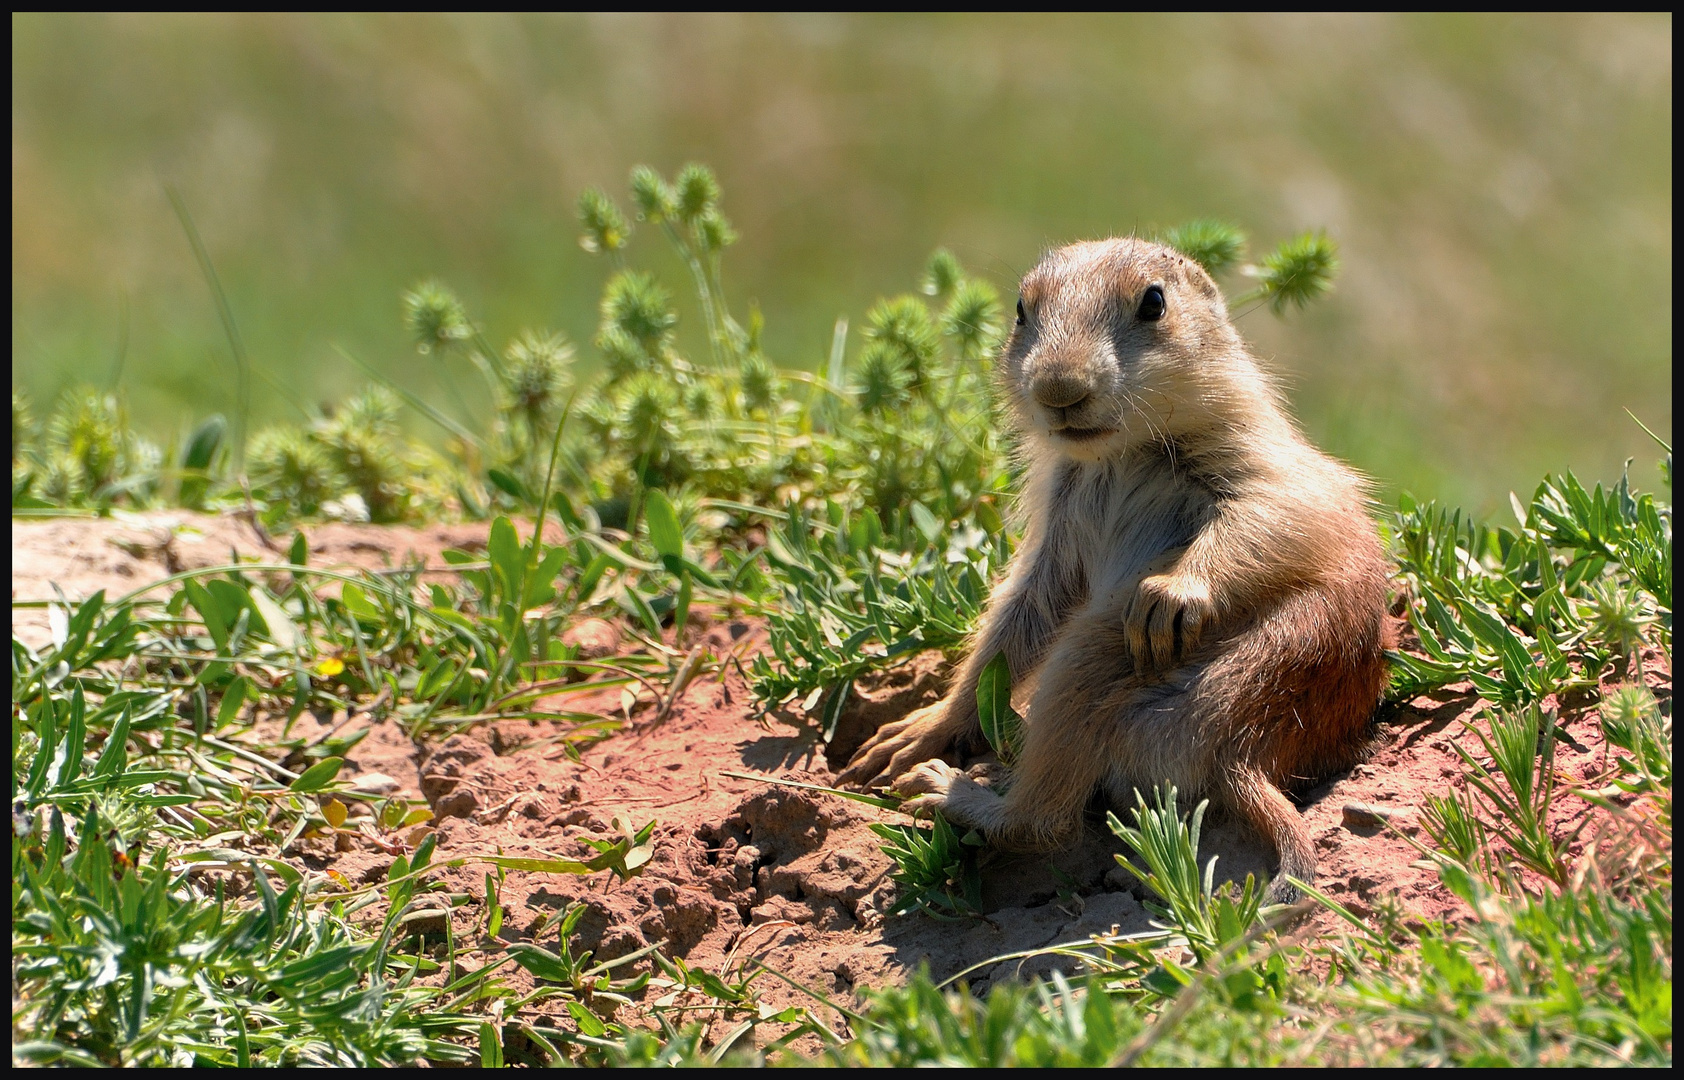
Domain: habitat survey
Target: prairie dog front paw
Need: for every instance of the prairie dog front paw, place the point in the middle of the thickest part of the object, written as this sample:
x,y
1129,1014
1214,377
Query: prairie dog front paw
x,y
936,785
926,784
1165,618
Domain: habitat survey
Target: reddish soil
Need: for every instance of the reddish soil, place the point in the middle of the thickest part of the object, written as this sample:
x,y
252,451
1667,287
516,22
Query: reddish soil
x,y
748,871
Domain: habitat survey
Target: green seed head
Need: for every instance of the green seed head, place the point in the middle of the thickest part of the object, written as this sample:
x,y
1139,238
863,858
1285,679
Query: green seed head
x,y
882,378
374,410
715,232
605,228
648,403
636,305
624,355
973,319
435,317
655,200
759,381
1298,271
700,401
1214,245
1627,706
537,370
904,325
1620,615
942,274
89,429
60,480
698,192
290,467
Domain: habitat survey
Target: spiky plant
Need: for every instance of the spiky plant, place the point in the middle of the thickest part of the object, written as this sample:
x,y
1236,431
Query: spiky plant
x,y
701,402
697,193
87,436
759,383
435,317
882,378
904,325
59,481
1214,245
605,227
1298,271
714,233
290,468
536,371
1620,615
942,273
655,199
973,319
360,444
635,305
374,409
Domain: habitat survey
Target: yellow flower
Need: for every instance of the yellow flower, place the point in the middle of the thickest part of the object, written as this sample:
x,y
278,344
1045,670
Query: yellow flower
x,y
330,667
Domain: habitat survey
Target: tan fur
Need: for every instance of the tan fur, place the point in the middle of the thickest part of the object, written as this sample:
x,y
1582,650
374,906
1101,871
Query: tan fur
x,y
1199,596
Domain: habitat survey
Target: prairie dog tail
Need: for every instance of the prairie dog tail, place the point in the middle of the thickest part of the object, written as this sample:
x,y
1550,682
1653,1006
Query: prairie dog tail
x,y
1271,813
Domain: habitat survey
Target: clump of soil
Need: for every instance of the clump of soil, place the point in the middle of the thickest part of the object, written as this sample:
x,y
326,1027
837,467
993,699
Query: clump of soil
x,y
746,870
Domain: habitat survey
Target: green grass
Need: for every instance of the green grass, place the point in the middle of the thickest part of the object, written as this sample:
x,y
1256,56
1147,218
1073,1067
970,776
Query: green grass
x,y
161,915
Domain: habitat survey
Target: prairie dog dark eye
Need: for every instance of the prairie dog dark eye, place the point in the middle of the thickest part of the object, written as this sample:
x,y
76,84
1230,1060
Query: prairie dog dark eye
x,y
1020,316
1152,305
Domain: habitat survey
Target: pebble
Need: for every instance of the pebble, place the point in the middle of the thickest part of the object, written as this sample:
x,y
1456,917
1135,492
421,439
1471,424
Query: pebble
x,y
375,783
1358,815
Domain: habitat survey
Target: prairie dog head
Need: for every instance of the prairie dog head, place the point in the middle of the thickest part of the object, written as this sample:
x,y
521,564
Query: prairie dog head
x,y
1119,343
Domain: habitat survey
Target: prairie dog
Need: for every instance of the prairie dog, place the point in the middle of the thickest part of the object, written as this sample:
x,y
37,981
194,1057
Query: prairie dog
x,y
1199,596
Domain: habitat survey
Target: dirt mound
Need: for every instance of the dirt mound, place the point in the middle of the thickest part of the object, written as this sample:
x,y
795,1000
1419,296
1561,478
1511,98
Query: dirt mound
x,y
796,880
79,556
745,870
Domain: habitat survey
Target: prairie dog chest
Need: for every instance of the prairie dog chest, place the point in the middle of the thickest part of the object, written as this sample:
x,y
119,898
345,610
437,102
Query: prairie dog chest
x,y
1118,520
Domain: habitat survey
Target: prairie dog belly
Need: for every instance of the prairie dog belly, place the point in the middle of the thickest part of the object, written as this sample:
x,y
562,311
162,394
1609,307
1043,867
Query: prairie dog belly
x,y
1125,520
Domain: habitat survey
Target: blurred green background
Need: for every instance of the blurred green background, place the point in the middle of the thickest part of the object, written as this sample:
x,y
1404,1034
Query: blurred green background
x,y
1501,188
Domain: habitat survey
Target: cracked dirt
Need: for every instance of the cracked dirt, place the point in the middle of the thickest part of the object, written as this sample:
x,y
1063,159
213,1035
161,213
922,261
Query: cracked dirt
x,y
746,871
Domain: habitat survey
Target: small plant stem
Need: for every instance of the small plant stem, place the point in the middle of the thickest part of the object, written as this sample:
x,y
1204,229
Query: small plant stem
x,y
703,294
242,363
638,486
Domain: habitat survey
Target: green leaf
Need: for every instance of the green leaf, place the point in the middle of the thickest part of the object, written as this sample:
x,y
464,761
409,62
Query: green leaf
x,y
490,1047
927,522
589,1023
116,752
69,763
282,630
635,604
299,553
317,776
311,968
665,532
540,587
590,576
358,604
509,484
507,559
833,708
216,620
1001,725
542,963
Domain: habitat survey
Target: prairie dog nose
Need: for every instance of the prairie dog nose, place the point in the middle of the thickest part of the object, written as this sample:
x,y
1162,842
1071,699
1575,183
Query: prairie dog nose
x,y
1057,390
